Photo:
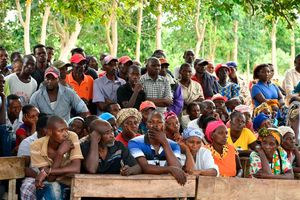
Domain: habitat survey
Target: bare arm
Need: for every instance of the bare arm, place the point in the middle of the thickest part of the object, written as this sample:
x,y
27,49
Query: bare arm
x,y
206,172
91,161
161,102
260,98
297,158
239,170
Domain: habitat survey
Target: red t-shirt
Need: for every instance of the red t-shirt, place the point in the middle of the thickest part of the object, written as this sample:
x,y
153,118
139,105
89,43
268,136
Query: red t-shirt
x,y
121,139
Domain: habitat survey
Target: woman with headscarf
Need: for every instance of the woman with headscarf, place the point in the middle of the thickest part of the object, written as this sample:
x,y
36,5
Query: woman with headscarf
x,y
260,121
76,124
128,119
224,154
270,161
293,119
289,145
196,159
172,126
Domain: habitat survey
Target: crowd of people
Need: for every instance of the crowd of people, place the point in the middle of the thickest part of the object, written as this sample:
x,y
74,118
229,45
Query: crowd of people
x,y
119,116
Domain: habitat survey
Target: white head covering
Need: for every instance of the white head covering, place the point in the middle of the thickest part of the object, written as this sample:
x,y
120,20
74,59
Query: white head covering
x,y
190,132
285,129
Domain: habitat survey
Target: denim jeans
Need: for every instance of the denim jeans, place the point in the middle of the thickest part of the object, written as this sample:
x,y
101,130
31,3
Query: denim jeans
x,y
5,140
53,191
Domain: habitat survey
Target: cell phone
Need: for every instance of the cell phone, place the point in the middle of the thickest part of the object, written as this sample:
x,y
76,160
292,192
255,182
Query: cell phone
x,y
122,163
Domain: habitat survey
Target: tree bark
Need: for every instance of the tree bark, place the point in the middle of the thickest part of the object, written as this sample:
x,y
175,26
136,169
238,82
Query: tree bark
x,y
25,24
293,47
200,31
44,25
139,31
235,46
114,29
108,37
67,40
158,26
274,54
213,42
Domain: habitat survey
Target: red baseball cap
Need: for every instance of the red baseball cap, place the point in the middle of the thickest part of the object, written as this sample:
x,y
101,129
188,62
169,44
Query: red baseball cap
x,y
52,70
125,59
219,66
108,59
147,104
77,58
218,97
163,61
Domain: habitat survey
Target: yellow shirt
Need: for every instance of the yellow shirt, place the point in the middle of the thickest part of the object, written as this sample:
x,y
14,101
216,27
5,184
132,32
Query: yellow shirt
x,y
247,137
39,152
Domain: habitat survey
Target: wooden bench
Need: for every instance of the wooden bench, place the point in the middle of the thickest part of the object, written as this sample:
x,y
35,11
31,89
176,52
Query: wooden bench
x,y
137,186
12,168
211,188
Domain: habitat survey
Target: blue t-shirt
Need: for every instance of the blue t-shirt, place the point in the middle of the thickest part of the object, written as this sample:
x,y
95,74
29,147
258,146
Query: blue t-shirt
x,y
140,147
269,91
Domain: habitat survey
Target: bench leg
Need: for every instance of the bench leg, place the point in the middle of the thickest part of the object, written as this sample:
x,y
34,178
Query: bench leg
x,y
12,190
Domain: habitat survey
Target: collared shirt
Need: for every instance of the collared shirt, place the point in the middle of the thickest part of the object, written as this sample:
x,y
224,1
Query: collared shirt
x,y
39,152
111,164
66,100
269,91
159,88
291,79
209,85
16,124
85,89
140,147
125,92
230,90
106,89
192,92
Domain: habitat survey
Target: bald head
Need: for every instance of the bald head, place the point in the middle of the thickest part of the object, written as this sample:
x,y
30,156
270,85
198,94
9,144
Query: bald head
x,y
98,125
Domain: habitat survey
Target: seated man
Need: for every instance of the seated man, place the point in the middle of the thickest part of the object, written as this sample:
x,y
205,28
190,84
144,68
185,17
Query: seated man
x,y
103,155
56,155
155,153
56,99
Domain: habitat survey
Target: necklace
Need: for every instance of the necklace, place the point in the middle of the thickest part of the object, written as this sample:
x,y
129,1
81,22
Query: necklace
x,y
216,154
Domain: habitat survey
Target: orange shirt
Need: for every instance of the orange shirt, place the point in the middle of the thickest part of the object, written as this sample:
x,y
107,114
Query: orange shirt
x,y
85,89
225,162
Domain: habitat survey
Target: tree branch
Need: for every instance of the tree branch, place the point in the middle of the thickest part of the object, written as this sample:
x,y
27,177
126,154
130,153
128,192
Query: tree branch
x,y
20,13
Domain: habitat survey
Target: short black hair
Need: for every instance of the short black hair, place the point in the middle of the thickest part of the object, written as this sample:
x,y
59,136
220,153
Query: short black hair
x,y
26,109
159,53
257,69
51,48
206,120
10,98
42,122
150,60
134,67
13,55
297,57
235,114
89,119
77,50
38,46
185,52
54,119
190,106
108,107
184,65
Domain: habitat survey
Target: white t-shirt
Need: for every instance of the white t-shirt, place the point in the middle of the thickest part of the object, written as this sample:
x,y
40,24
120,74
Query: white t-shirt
x,y
204,160
13,85
24,147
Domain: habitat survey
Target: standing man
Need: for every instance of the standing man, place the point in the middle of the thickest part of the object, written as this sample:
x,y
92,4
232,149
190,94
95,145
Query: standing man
x,y
40,53
291,79
22,84
207,81
56,99
189,57
50,54
124,63
3,62
156,87
105,88
81,83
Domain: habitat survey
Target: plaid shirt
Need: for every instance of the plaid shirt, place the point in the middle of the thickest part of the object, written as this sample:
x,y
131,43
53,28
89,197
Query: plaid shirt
x,y
159,88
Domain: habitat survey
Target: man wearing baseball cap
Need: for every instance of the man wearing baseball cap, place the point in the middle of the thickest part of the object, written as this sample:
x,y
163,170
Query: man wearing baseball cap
x,y
105,88
81,83
56,99
63,70
124,63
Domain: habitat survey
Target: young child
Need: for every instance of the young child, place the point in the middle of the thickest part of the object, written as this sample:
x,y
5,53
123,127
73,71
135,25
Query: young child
x,y
193,112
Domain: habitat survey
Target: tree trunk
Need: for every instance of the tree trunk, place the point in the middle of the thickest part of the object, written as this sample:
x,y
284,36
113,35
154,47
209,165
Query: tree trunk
x,y
25,24
108,38
139,31
68,41
200,31
235,46
293,47
44,25
274,55
158,27
114,29
248,67
213,42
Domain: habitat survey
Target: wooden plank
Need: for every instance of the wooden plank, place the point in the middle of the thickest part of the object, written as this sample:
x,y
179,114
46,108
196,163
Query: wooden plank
x,y
211,188
12,190
138,186
12,168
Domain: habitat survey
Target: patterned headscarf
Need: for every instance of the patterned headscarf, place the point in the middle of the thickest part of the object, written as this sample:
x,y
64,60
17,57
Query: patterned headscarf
x,y
264,132
190,132
261,107
124,113
273,102
243,108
